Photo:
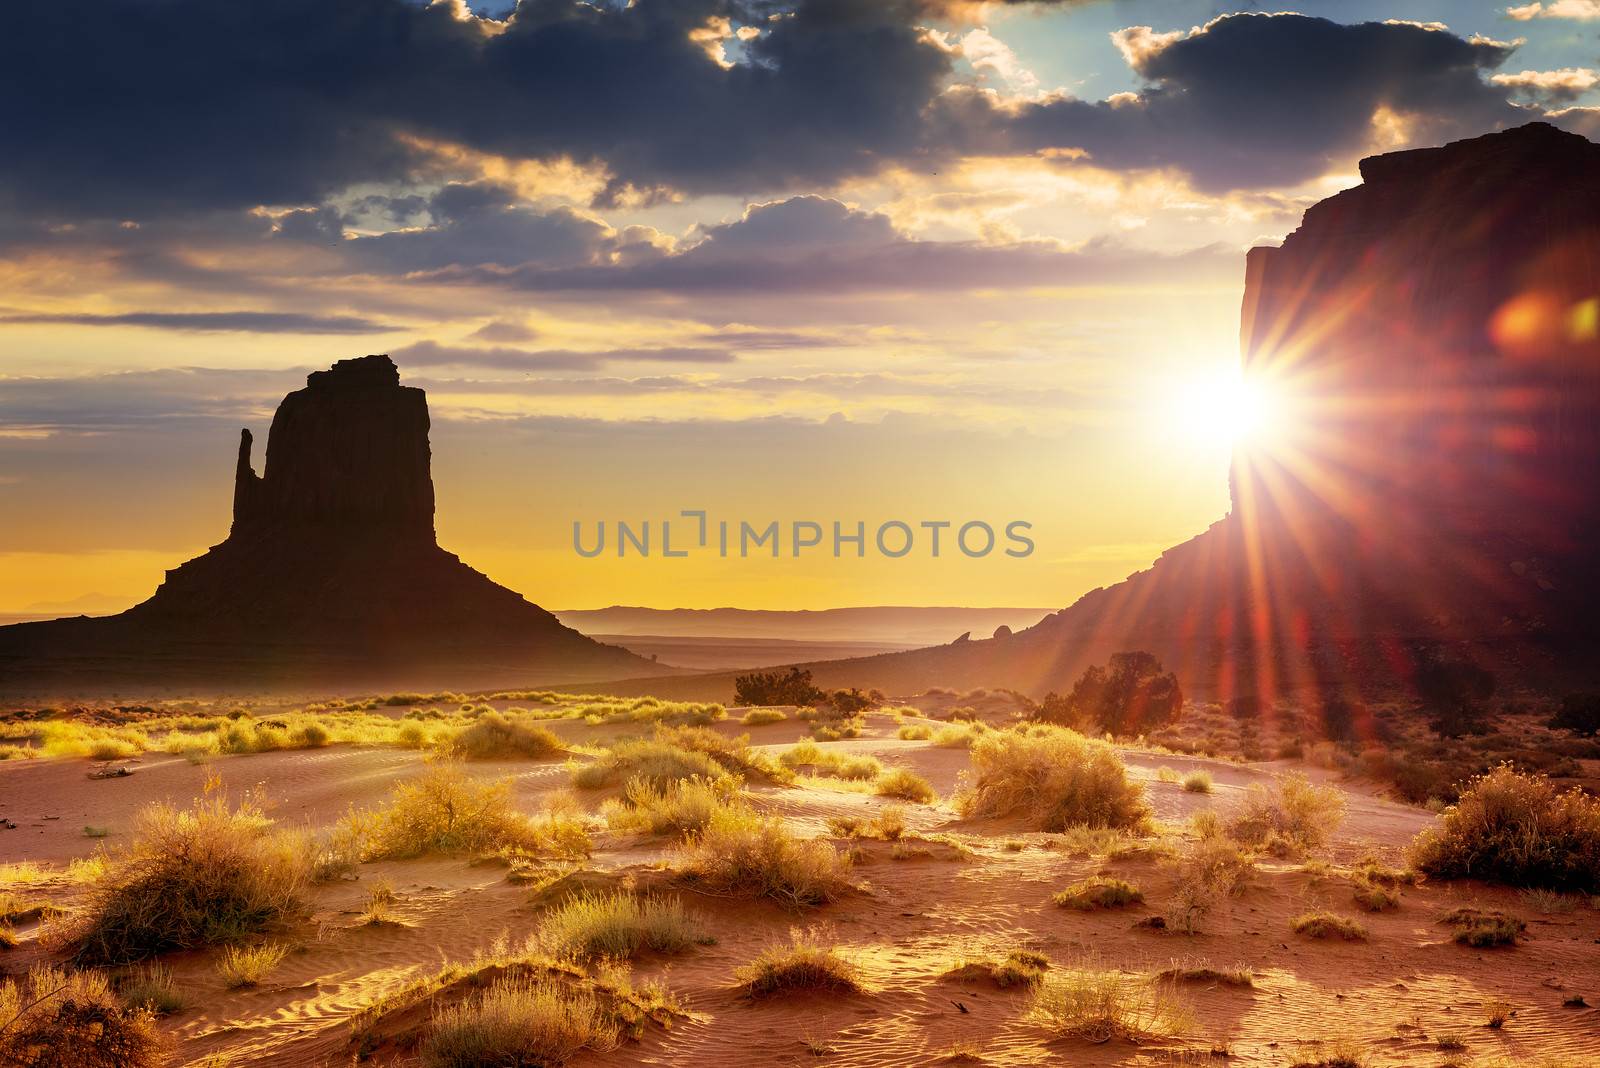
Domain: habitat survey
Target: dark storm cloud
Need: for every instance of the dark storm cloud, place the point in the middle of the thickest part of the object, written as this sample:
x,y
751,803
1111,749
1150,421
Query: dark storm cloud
x,y
252,322
1253,100
138,108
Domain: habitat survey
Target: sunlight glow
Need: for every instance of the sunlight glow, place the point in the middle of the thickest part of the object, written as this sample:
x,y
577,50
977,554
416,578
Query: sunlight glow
x,y
1223,409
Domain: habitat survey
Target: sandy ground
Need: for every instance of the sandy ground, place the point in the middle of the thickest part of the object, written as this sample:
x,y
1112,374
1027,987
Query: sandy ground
x,y
911,921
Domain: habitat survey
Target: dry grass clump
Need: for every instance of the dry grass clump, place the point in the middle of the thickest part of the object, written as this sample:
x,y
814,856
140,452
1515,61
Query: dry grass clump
x,y
802,965
1375,897
242,966
960,735
647,760
1100,1004
495,735
888,825
741,852
518,1021
447,811
905,784
1099,892
1055,777
1020,968
676,808
615,926
757,717
1202,972
151,988
379,909
677,753
1517,829
211,873
810,756
1292,815
1483,930
1197,782
51,1018
1320,924
914,732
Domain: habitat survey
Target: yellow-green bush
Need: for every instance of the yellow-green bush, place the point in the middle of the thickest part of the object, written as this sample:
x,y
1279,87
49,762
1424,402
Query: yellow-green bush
x,y
1054,777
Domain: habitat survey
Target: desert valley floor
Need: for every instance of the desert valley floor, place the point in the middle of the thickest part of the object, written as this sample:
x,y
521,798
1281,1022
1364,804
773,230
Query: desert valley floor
x,y
947,891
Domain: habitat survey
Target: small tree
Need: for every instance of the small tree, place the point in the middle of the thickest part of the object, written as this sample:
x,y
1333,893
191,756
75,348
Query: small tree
x,y
1128,696
849,702
776,688
1455,694
1579,713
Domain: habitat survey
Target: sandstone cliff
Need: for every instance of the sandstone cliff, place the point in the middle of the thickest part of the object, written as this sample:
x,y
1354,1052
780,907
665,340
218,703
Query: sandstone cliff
x,y
329,577
1437,494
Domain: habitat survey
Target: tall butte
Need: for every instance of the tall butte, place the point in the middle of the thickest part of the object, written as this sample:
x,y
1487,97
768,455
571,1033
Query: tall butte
x,y
330,576
1433,494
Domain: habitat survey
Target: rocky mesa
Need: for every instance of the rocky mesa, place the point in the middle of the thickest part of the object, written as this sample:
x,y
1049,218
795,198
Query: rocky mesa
x,y
330,576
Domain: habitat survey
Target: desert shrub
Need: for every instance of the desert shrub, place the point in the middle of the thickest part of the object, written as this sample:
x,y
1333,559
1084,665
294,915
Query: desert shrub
x,y
734,754
518,1022
1166,774
802,964
379,909
741,852
1292,811
1130,695
1579,713
830,762
1320,924
445,811
1101,1004
1517,829
757,717
1099,892
190,878
1201,972
1455,694
242,966
617,926
959,735
852,701
1246,706
1020,968
914,732
1217,864
679,807
1374,897
52,1018
648,761
151,988
1197,782
1055,777
888,825
905,784
1482,930
493,734
792,687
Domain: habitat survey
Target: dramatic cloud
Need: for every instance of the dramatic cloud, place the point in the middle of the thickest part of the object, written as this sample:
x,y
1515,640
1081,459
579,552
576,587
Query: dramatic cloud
x,y
433,354
1550,87
219,322
128,109
482,223
815,244
1251,101
1581,10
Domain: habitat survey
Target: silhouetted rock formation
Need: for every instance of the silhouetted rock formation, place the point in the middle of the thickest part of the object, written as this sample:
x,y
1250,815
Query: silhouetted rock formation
x,y
1435,334
330,576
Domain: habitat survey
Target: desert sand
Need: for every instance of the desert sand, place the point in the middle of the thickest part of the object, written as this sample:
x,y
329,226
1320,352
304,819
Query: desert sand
x,y
920,909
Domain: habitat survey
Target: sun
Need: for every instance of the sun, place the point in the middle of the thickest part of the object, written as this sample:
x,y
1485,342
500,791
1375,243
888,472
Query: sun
x,y
1221,409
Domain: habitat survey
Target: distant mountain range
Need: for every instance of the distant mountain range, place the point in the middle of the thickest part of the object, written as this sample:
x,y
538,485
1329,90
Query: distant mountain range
x,y
890,624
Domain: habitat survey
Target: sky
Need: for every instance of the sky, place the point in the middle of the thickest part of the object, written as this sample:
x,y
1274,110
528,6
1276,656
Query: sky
x,y
776,260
